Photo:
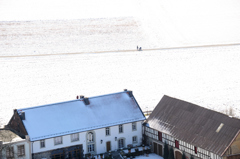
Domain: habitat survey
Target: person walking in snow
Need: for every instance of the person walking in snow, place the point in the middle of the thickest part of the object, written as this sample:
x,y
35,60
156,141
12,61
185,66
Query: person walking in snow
x,y
137,47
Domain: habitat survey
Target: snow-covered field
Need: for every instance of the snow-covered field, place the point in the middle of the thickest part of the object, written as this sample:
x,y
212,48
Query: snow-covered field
x,y
69,36
207,76
164,23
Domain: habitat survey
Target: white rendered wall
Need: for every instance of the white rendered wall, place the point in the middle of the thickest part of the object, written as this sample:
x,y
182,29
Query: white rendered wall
x,y
27,149
99,135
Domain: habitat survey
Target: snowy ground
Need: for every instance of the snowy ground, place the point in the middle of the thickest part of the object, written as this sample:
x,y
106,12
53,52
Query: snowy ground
x,y
69,36
164,23
206,76
151,156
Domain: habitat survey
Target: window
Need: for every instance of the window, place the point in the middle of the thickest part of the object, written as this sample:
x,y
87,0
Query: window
x,y
107,131
21,150
134,126
120,143
57,154
74,152
9,152
58,140
120,128
176,144
91,148
195,149
160,136
134,139
42,143
74,137
90,142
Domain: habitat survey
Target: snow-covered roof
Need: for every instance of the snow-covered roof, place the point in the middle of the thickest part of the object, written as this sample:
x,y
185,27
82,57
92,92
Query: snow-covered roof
x,y
74,116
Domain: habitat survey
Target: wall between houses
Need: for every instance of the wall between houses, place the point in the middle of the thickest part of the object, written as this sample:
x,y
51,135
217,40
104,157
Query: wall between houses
x,y
99,135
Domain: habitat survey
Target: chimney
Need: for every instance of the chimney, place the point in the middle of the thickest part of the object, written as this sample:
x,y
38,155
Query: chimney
x,y
86,101
81,96
130,93
23,115
27,137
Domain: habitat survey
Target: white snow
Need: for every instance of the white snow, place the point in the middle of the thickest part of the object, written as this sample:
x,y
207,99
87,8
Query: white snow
x,y
150,156
206,76
165,23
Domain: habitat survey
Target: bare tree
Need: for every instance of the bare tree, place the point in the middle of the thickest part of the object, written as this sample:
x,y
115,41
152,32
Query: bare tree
x,y
229,111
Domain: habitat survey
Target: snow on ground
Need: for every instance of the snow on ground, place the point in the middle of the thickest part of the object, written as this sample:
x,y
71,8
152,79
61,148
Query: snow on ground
x,y
187,22
70,36
206,76
151,156
165,23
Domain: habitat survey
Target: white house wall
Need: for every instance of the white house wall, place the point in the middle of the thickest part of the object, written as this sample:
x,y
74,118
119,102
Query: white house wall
x,y
27,149
99,135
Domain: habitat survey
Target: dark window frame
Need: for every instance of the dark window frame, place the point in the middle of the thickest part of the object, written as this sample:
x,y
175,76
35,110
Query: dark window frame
x,y
195,149
20,150
177,144
159,136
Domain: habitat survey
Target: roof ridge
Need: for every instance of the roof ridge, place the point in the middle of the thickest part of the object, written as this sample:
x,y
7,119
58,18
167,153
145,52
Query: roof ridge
x,y
40,106
196,105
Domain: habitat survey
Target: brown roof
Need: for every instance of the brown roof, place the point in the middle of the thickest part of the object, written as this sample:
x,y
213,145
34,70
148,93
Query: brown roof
x,y
194,124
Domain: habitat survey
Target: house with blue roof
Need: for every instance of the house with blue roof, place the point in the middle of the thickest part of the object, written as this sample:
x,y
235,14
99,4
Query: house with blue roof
x,y
83,126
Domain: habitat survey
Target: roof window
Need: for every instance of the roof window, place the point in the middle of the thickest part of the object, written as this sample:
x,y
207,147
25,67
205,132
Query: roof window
x,y
219,128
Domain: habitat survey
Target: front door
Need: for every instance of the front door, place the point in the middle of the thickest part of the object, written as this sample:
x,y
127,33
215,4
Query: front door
x,y
178,155
108,145
160,150
155,147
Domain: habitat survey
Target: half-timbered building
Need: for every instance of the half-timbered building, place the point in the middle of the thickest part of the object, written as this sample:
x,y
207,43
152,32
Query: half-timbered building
x,y
193,130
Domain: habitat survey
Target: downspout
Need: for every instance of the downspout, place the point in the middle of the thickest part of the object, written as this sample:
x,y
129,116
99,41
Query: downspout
x,y
32,150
